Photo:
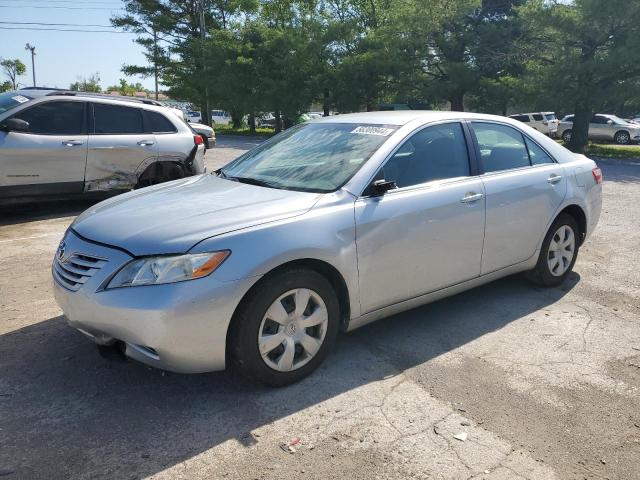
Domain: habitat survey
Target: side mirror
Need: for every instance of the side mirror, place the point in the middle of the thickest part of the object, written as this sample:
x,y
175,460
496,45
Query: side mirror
x,y
16,125
380,187
609,122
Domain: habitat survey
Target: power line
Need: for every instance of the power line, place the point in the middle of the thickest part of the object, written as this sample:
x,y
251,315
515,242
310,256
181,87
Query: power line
x,y
58,24
64,30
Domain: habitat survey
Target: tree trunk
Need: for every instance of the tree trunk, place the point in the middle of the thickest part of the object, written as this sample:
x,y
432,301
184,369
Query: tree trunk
x,y
236,119
278,124
252,122
325,103
457,102
580,128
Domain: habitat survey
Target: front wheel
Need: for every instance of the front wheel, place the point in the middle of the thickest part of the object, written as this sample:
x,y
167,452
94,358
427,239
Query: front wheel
x,y
285,328
622,138
566,136
558,253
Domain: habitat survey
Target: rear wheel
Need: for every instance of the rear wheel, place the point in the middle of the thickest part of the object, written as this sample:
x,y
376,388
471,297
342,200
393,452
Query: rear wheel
x,y
558,253
285,328
566,136
622,138
160,172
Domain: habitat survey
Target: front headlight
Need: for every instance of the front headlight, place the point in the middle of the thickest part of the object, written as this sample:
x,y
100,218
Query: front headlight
x,y
169,269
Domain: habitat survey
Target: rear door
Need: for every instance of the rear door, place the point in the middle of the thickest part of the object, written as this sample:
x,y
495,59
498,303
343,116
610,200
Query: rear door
x,y
50,158
524,187
118,147
599,128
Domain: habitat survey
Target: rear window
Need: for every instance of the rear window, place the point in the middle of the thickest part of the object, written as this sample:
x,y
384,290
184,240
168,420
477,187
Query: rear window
x,y
550,116
117,120
155,122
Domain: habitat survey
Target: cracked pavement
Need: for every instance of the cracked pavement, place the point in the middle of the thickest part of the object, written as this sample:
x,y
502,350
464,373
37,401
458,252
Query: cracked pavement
x,y
545,383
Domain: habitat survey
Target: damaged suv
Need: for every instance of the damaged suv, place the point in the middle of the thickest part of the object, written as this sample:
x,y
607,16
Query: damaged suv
x,y
64,142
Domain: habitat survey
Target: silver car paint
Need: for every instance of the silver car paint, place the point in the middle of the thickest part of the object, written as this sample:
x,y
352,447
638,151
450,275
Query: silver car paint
x,y
601,131
102,162
186,323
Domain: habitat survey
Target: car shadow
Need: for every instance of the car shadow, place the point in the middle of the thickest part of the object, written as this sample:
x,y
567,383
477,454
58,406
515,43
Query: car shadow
x,y
31,210
66,412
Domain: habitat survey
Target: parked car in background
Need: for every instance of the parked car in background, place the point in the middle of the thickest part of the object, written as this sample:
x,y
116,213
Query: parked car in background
x,y
193,116
266,120
545,122
220,117
635,120
603,127
206,132
64,142
324,228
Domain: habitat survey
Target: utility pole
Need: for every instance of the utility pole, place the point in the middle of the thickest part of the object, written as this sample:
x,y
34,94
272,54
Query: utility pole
x,y
207,112
33,61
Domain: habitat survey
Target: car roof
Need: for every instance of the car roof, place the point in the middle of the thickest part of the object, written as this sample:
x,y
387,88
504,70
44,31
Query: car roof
x,y
39,92
403,117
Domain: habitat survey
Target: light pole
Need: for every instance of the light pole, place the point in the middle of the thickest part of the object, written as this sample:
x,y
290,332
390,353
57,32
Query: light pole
x,y
33,62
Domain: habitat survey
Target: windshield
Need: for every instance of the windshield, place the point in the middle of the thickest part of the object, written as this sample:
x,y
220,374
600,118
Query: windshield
x,y
315,157
617,120
9,100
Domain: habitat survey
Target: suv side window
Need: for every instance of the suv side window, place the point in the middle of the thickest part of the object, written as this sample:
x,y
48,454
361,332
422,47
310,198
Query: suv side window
x,y
538,155
116,120
521,118
155,122
501,147
599,119
433,153
54,118
537,117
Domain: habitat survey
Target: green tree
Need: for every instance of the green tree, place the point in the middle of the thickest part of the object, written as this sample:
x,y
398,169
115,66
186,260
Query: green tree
x,y
127,89
589,55
5,86
91,84
13,69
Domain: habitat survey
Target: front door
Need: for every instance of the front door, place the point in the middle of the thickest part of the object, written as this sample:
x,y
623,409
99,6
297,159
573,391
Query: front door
x,y
427,233
50,158
524,188
118,147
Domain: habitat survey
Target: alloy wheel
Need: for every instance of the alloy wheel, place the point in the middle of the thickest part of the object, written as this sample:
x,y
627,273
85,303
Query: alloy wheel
x,y
561,250
622,138
293,329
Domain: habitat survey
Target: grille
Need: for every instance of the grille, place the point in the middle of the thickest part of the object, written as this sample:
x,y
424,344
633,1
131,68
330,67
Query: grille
x,y
73,271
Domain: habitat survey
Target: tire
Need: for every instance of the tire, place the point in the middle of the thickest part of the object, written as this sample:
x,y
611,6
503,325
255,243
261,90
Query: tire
x,y
566,135
622,138
551,253
160,172
275,297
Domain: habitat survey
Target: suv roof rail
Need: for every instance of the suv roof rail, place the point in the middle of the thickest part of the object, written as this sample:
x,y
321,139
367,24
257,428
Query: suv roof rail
x,y
72,93
42,88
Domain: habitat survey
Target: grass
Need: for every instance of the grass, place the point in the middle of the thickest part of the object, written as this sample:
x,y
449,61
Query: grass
x,y
609,150
244,131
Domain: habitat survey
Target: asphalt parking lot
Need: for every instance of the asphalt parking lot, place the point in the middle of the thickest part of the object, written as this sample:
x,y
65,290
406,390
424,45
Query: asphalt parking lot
x,y
507,381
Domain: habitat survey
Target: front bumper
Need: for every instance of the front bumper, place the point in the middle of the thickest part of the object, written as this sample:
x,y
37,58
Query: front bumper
x,y
181,327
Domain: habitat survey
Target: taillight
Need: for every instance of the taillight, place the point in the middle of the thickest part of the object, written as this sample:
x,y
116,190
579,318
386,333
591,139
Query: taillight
x,y
197,139
597,175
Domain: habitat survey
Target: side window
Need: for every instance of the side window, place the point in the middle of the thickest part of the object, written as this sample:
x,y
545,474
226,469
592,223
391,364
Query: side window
x,y
54,118
537,117
538,155
501,147
155,122
433,153
599,119
521,118
116,120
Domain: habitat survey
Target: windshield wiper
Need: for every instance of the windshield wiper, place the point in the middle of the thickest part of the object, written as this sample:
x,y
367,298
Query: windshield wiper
x,y
249,181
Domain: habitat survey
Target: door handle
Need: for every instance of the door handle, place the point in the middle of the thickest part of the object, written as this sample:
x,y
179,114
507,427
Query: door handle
x,y
72,143
471,197
144,143
554,178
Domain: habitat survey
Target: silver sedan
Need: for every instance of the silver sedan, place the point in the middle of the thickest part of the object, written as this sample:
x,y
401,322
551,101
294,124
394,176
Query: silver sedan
x,y
322,229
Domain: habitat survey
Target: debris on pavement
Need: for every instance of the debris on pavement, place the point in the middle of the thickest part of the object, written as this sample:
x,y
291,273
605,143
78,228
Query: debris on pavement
x,y
462,436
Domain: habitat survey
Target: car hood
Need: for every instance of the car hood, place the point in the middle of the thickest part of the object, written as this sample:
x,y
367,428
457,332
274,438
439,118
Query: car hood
x,y
173,217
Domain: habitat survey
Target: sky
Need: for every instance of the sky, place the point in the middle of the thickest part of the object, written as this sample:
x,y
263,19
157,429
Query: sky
x,y
63,57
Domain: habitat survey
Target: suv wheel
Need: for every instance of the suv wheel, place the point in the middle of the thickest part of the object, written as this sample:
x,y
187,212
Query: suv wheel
x,y
285,328
566,136
622,138
558,253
